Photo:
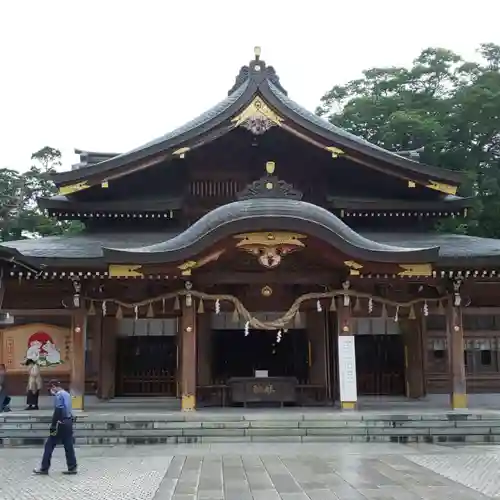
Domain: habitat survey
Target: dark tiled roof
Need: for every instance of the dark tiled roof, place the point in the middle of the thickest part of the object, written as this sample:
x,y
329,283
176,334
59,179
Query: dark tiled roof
x,y
448,202
268,214
61,202
453,248
343,136
157,145
257,78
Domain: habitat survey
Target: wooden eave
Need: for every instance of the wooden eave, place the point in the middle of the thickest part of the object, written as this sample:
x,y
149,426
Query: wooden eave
x,y
66,206
254,81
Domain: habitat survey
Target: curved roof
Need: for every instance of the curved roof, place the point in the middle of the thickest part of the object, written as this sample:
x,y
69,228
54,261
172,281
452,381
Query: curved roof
x,y
255,79
269,215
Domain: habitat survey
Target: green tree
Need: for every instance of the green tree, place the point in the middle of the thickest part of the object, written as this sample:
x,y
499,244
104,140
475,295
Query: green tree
x,y
20,216
443,104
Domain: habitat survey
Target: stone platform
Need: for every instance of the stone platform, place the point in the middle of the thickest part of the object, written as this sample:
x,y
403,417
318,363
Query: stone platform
x,y
97,427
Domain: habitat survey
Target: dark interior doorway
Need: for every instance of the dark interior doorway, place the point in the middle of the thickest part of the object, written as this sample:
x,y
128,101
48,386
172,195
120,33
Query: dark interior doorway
x,y
146,366
380,365
235,355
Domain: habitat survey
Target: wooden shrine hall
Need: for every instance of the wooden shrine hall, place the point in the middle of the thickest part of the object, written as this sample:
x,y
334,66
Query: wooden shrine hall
x,y
256,255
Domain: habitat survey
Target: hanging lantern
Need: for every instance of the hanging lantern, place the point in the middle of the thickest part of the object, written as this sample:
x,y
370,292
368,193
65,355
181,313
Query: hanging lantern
x,y
426,309
333,304
396,314
217,306
119,312
370,305
247,328
177,304
411,314
318,306
150,313
104,308
201,307
91,308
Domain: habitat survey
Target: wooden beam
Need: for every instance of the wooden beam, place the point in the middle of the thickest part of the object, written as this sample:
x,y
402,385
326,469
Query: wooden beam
x,y
38,312
265,277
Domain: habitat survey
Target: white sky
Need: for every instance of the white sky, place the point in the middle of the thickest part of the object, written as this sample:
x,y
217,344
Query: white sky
x,y
109,75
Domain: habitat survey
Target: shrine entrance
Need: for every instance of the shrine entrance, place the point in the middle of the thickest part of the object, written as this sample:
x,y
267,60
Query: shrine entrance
x,y
146,359
280,355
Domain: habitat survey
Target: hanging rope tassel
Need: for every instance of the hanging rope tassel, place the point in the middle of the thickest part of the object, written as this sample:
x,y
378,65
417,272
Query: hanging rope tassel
x,y
297,320
318,306
119,312
411,314
370,305
426,309
440,307
136,312
150,313
104,308
236,316
177,304
201,307
357,305
396,314
333,304
92,308
163,305
383,312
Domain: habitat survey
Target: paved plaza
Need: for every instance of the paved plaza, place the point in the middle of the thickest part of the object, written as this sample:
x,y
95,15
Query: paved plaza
x,y
259,472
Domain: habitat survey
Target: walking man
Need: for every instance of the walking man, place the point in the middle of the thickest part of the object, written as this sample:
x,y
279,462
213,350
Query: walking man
x,y
61,431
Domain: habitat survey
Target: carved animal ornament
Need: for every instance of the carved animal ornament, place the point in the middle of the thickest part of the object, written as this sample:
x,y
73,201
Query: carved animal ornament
x,y
270,248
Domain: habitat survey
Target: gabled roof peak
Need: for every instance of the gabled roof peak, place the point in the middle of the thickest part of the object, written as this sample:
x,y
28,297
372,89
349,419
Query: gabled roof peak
x,y
257,71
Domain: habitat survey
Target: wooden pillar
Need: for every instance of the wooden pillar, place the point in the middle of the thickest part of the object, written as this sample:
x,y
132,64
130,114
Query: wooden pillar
x,y
455,332
204,348
316,338
77,382
412,338
346,356
107,363
188,356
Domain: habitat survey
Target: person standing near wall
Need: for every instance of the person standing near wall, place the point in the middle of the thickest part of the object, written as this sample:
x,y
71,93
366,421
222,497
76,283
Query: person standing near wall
x,y
34,385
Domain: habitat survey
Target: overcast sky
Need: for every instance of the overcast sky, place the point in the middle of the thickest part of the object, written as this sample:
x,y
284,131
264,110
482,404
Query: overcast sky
x,y
109,75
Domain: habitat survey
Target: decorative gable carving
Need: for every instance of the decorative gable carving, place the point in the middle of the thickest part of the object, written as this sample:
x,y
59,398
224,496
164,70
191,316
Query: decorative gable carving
x,y
269,186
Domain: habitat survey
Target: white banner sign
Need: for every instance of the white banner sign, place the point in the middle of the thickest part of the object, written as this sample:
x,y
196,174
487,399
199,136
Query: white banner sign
x,y
347,368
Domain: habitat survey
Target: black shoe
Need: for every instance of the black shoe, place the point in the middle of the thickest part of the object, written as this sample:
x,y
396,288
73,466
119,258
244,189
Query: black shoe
x,y
70,472
29,407
40,472
35,408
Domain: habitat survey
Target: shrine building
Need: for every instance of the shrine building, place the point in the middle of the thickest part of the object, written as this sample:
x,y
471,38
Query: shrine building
x,y
257,254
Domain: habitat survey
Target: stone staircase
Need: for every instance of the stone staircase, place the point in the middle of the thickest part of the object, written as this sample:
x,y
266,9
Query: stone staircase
x,y
241,426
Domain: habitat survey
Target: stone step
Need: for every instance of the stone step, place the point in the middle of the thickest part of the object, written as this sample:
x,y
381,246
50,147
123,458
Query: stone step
x,y
30,429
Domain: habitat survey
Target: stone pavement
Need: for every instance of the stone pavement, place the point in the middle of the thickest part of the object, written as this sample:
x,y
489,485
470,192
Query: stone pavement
x,y
259,472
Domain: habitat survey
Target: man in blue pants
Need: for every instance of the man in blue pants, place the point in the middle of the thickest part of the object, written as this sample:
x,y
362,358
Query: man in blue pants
x,y
61,431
